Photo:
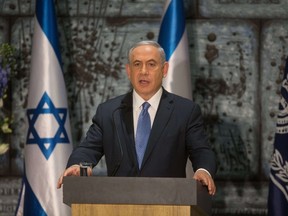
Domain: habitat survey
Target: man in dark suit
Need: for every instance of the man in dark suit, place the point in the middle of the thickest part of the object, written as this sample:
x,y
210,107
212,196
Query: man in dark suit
x,y
176,127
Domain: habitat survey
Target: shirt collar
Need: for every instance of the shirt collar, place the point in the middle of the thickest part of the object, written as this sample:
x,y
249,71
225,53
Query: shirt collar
x,y
153,101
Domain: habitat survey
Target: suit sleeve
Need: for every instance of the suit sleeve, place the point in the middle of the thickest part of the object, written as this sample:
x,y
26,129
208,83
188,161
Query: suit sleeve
x,y
200,152
91,148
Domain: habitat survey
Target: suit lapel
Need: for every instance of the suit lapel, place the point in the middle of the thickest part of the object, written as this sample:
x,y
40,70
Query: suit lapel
x,y
160,122
128,129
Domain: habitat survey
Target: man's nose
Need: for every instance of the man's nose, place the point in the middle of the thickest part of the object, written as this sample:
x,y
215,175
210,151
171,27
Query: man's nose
x,y
144,69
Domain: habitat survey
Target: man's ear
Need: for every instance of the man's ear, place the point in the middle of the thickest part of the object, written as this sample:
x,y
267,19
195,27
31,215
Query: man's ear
x,y
165,69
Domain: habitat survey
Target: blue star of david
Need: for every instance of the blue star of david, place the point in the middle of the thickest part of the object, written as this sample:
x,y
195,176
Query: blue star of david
x,y
47,144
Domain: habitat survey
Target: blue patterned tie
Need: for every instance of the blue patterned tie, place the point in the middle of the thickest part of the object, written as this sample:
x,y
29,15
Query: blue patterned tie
x,y
142,132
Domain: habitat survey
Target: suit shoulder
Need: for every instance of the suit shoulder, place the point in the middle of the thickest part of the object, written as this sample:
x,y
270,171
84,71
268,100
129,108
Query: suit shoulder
x,y
113,101
183,101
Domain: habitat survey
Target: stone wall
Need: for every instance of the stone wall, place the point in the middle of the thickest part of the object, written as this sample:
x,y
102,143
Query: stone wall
x,y
237,52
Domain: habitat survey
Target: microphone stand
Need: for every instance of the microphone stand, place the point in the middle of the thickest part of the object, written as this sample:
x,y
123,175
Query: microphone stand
x,y
121,107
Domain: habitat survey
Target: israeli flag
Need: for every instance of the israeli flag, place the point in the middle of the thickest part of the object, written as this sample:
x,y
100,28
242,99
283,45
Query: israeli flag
x,y
173,38
278,184
48,143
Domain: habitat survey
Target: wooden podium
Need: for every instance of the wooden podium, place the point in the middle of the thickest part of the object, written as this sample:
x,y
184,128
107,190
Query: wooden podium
x,y
135,196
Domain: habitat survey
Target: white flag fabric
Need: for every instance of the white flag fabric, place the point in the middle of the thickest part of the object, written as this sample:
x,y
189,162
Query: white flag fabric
x,y
173,38
48,143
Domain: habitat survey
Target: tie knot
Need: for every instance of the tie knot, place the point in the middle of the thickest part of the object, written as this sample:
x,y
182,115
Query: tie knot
x,y
145,106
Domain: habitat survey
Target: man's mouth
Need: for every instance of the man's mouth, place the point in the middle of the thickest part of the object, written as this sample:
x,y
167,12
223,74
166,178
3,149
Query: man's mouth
x,y
143,81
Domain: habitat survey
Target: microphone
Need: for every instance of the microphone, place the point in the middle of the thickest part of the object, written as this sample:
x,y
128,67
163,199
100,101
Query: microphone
x,y
121,107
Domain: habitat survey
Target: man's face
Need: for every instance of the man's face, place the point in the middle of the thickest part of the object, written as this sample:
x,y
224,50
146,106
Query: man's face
x,y
146,71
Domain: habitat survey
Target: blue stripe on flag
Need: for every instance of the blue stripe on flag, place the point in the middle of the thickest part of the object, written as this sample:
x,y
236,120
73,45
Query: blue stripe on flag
x,y
172,27
45,14
32,207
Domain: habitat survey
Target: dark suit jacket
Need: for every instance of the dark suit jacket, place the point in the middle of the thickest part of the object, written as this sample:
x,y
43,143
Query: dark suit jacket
x,y
177,133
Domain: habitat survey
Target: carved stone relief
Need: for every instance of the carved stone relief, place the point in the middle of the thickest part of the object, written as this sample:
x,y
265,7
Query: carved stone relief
x,y
224,76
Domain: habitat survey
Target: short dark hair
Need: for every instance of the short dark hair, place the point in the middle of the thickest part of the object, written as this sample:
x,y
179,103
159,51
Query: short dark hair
x,y
152,43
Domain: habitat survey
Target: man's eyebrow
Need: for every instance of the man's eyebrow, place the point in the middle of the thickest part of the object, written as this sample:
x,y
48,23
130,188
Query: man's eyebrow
x,y
149,60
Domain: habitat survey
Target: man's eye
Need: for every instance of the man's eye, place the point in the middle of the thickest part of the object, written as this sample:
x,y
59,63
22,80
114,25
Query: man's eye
x,y
136,64
152,64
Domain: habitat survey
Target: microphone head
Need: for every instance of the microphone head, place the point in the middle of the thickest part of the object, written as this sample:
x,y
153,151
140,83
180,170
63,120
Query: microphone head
x,y
123,105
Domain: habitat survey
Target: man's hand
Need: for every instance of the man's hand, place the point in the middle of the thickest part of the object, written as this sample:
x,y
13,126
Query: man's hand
x,y
73,170
206,180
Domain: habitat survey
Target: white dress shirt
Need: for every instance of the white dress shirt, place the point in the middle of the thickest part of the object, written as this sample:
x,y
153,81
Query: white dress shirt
x,y
137,106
